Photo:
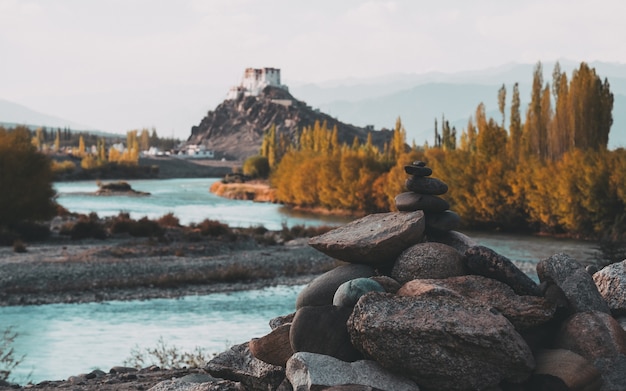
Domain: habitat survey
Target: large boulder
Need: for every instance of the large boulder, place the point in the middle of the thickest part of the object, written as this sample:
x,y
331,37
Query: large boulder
x,y
593,335
238,364
523,312
428,260
611,283
440,340
376,239
572,278
600,339
458,240
321,290
484,261
310,371
323,330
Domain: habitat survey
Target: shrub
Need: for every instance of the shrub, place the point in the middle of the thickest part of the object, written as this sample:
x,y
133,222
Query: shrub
x,y
25,179
86,227
256,167
145,228
8,361
166,356
210,227
19,246
169,220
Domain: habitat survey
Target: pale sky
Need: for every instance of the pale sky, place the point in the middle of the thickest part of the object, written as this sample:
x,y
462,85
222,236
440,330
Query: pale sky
x,y
71,58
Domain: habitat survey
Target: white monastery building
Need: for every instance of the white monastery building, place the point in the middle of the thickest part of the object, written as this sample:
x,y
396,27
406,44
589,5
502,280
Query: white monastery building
x,y
254,81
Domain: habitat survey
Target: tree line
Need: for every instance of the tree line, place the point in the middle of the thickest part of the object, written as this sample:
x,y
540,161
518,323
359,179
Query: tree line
x,y
549,171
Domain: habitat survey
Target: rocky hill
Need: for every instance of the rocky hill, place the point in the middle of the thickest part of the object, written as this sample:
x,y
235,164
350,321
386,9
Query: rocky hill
x,y
235,129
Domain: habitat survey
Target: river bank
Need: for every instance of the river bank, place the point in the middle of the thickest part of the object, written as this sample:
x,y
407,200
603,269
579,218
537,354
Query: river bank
x,y
70,271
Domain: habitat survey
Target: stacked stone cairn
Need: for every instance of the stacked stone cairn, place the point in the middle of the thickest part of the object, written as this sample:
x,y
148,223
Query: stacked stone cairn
x,y
417,305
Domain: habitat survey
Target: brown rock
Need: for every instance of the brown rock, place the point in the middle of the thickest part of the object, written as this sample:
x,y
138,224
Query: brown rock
x,y
390,285
523,312
428,260
484,261
376,239
322,289
574,370
611,283
440,340
323,330
593,335
572,278
273,348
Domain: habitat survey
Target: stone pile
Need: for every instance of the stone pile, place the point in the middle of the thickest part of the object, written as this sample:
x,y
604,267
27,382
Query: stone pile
x,y
418,305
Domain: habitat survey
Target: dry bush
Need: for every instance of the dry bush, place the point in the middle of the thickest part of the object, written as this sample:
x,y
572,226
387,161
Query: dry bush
x,y
19,246
169,220
210,227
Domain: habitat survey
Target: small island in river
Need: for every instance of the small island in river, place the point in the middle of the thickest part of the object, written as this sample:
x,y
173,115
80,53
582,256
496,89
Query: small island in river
x,y
118,188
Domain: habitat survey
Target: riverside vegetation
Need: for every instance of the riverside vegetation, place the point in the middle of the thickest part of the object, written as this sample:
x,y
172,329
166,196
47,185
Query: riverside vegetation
x,y
550,173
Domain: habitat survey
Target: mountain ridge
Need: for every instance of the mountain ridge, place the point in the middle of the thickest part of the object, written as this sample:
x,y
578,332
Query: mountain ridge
x,y
236,127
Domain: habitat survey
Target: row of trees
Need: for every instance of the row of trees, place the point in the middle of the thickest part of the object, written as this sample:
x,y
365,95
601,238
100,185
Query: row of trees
x,y
550,172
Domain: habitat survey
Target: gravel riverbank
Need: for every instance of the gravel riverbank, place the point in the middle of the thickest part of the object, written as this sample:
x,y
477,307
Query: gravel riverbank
x,y
64,271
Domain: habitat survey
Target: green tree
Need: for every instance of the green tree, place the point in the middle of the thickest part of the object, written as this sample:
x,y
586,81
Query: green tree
x,y
25,178
515,126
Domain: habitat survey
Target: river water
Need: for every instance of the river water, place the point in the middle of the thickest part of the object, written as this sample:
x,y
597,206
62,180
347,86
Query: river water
x,y
62,340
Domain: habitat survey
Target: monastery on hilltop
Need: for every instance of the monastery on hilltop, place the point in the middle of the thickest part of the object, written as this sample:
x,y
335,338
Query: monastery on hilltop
x,y
254,81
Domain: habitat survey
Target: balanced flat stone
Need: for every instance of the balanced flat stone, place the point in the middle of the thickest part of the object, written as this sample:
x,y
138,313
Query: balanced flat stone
x,y
426,185
410,201
418,170
376,240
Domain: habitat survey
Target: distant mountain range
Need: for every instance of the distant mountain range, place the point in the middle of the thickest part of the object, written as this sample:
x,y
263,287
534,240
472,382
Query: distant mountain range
x,y
416,98
12,114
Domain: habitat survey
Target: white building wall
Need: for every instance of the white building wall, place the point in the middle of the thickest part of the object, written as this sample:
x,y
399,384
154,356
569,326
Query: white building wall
x,y
254,81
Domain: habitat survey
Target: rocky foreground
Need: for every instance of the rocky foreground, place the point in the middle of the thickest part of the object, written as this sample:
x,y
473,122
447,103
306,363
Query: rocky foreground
x,y
416,305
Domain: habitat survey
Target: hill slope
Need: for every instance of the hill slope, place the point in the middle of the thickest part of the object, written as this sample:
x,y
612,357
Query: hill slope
x,y
235,129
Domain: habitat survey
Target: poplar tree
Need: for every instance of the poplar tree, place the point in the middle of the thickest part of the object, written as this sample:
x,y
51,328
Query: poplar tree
x,y
515,125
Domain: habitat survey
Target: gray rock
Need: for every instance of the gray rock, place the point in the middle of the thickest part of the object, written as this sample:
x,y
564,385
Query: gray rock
x,y
310,371
611,283
376,239
410,201
572,278
321,290
281,320
323,330
428,260
613,372
210,385
442,221
458,240
426,185
440,340
351,291
418,170
237,364
523,312
484,261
